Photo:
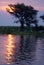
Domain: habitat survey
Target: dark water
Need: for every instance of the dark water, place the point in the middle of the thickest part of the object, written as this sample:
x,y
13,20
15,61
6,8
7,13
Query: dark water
x,y
21,50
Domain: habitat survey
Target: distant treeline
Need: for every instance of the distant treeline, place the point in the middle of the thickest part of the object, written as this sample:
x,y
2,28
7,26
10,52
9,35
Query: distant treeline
x,y
13,29
39,28
8,29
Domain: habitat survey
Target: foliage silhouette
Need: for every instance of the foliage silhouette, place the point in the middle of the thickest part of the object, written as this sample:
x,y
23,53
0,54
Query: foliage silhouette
x,y
42,17
25,14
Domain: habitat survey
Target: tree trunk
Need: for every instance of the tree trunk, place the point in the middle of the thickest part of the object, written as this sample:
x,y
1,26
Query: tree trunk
x,y
36,26
28,27
22,27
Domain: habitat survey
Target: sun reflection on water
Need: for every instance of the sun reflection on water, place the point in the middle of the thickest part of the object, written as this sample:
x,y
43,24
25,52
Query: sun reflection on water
x,y
10,47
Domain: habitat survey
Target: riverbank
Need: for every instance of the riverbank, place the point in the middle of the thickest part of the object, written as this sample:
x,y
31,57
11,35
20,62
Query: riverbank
x,y
16,30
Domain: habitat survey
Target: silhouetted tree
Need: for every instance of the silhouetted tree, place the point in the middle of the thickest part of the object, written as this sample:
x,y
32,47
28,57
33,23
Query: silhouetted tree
x,y
42,17
25,14
41,28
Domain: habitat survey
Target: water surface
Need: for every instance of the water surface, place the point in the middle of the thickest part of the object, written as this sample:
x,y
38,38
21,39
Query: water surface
x,y
21,50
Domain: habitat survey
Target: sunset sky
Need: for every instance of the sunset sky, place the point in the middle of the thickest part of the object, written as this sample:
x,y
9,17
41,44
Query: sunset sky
x,y
7,19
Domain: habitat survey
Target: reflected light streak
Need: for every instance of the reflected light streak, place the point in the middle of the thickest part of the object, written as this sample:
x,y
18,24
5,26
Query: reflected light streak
x,y
10,47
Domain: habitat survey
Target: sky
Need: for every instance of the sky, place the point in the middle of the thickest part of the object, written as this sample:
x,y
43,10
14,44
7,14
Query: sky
x,y
6,19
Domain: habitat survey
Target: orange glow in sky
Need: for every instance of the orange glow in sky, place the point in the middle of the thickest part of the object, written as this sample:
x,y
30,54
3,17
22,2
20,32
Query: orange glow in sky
x,y
3,8
4,4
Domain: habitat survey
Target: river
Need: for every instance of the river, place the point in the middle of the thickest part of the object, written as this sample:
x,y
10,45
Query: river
x,y
21,50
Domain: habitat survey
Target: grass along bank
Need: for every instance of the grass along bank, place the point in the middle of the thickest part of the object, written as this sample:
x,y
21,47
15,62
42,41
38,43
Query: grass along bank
x,y
16,30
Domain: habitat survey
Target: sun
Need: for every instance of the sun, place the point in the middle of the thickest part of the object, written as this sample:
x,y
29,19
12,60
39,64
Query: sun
x,y
9,9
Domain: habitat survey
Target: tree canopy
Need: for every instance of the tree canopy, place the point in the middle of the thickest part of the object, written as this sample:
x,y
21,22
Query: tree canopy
x,y
25,14
42,17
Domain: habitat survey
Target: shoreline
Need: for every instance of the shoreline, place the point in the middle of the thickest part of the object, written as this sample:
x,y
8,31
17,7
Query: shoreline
x,y
16,31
